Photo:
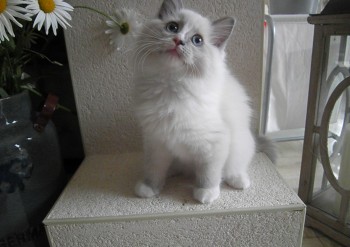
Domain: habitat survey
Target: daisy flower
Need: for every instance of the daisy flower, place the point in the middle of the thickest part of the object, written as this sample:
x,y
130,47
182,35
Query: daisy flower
x,y
123,27
9,9
50,13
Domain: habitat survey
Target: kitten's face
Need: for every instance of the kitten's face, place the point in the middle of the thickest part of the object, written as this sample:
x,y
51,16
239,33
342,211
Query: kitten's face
x,y
180,42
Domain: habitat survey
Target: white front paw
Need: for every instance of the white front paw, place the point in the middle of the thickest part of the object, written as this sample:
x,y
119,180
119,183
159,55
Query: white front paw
x,y
241,181
145,191
206,195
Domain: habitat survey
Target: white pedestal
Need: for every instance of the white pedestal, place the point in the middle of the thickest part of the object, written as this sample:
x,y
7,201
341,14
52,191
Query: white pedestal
x,y
99,208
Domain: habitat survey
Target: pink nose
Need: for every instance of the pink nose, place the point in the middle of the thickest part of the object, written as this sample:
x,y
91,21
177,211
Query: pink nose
x,y
178,41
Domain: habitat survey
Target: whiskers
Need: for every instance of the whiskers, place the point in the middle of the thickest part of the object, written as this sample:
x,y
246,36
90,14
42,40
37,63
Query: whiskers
x,y
142,51
149,42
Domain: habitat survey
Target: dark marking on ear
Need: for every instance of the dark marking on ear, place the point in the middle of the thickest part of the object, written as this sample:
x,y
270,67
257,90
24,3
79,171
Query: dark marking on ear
x,y
222,30
169,8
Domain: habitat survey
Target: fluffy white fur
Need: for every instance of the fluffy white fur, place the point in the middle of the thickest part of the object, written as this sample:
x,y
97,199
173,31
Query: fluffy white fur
x,y
194,114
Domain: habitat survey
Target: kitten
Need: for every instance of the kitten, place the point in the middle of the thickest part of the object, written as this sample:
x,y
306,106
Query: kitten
x,y
189,106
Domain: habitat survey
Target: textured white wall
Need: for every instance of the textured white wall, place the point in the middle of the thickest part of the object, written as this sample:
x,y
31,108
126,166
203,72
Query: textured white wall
x,y
102,81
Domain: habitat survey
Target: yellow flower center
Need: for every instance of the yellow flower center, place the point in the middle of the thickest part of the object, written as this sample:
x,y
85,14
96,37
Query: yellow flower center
x,y
3,4
47,6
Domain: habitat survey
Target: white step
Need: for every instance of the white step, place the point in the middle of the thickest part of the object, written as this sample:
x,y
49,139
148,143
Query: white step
x,y
99,208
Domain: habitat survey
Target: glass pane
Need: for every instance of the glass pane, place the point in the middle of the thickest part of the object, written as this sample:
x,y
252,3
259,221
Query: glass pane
x,y
328,200
321,183
337,132
325,197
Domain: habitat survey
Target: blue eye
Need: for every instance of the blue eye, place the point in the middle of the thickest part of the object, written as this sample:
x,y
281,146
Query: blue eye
x,y
197,40
172,27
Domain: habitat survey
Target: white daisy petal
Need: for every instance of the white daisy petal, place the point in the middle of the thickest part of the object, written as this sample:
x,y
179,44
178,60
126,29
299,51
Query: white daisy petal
x,y
63,14
65,6
3,34
59,17
51,18
39,20
54,24
61,23
10,16
15,12
117,38
7,25
111,23
11,10
119,14
47,23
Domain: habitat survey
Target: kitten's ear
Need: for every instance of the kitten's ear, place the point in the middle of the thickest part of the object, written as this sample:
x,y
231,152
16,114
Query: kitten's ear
x,y
169,8
222,30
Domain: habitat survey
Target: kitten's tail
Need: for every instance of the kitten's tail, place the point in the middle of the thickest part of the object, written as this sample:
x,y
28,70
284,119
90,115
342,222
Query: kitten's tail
x,y
267,146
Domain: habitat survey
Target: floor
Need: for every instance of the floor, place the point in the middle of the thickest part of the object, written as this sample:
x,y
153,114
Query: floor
x,y
288,164
313,238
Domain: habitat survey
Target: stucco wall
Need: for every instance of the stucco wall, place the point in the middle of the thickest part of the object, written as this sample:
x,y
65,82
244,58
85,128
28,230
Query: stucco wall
x,y
101,78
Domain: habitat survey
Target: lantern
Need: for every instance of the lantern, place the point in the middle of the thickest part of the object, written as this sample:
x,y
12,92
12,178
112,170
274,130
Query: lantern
x,y
324,183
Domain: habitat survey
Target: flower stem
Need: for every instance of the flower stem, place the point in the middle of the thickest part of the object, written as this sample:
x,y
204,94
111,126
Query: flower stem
x,y
32,90
43,57
98,12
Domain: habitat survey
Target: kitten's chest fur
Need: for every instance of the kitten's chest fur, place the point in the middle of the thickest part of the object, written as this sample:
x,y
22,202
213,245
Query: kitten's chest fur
x,y
175,109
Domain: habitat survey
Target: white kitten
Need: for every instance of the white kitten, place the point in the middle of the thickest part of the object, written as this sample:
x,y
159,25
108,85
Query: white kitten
x,y
188,104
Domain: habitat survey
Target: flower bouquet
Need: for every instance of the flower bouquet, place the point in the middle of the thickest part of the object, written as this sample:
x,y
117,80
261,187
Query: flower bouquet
x,y
19,20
